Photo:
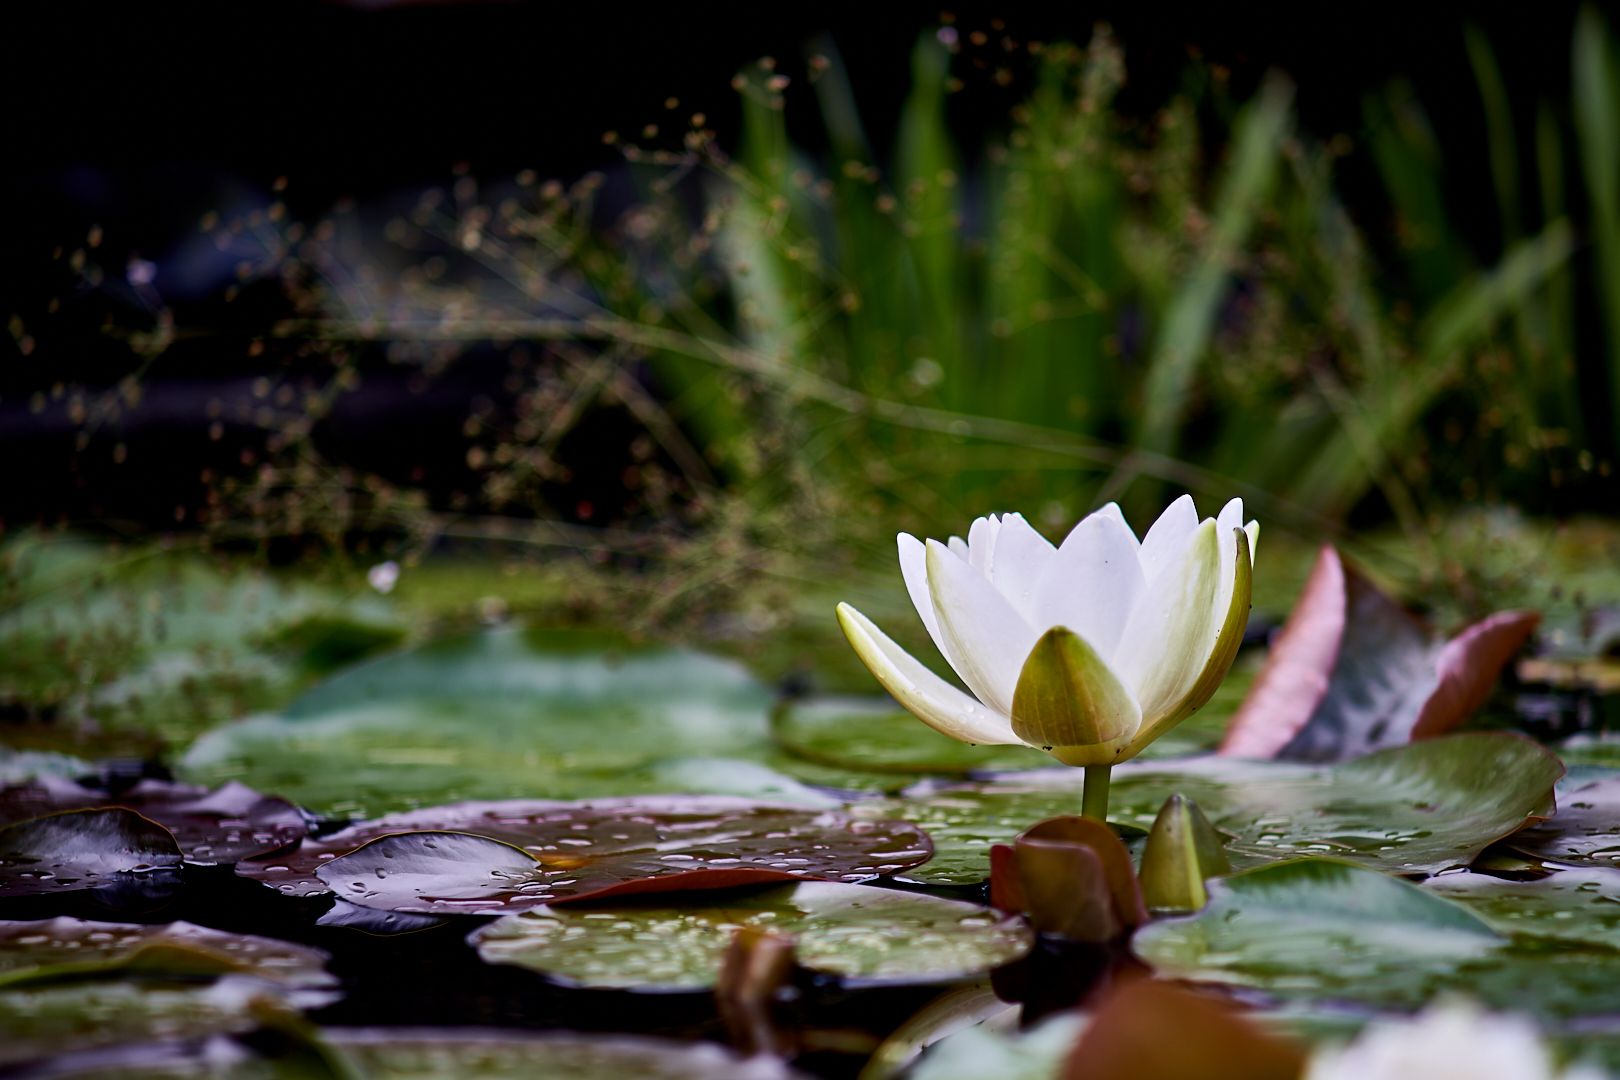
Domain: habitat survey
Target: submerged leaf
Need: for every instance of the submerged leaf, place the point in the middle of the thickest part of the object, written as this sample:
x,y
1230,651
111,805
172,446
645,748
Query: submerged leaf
x,y
864,935
608,847
1413,809
1352,672
82,849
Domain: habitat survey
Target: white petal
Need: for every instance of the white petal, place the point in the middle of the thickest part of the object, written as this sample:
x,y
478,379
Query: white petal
x,y
981,633
1093,582
982,544
922,693
1230,518
1169,637
914,568
1253,529
1164,541
958,548
1022,556
1112,510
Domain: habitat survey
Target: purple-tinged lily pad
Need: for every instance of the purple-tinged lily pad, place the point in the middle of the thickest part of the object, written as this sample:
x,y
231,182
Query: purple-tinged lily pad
x,y
212,828
601,848
82,849
1353,672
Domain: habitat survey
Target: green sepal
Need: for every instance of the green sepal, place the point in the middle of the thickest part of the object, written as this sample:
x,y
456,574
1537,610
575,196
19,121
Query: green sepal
x,y
1070,703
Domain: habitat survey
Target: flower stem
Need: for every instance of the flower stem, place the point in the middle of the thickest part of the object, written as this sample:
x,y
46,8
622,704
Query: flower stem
x,y
1094,803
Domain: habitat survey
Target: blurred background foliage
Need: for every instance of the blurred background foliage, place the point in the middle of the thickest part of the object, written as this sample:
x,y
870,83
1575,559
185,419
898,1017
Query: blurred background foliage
x,y
708,387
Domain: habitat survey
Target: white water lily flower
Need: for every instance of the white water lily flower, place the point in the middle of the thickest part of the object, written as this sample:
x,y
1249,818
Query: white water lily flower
x,y
1088,651
1453,1040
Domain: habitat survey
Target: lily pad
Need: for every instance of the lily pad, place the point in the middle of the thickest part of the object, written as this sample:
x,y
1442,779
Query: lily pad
x,y
60,948
1352,672
616,846
1321,929
505,714
875,735
59,1018
863,935
1579,905
212,828
462,1054
82,849
1586,829
1420,808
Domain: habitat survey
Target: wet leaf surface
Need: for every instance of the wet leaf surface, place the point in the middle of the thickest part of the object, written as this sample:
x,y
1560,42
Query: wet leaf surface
x,y
1586,829
508,714
862,934
82,849
621,845
43,1021
1413,809
62,948
1319,929
212,828
1578,905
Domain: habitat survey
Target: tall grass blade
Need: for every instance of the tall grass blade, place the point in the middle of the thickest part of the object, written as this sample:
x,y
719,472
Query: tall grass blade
x,y
1597,118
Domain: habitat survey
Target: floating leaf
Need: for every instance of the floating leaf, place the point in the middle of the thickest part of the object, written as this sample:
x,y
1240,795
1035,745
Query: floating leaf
x,y
212,828
372,921
1352,672
52,1019
862,934
872,734
509,714
1578,905
1586,829
429,1054
985,1050
641,844
62,948
1315,928
1413,809
82,849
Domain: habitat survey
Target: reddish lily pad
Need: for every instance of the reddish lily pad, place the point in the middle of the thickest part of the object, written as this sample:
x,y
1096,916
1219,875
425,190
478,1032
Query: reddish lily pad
x,y
1352,672
613,847
212,828
82,849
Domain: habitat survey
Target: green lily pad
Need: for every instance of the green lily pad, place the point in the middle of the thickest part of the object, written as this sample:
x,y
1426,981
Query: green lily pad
x,y
986,1050
458,1054
82,849
60,1018
1581,905
862,934
1420,808
872,734
507,714
573,850
63,948
212,828
1321,929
